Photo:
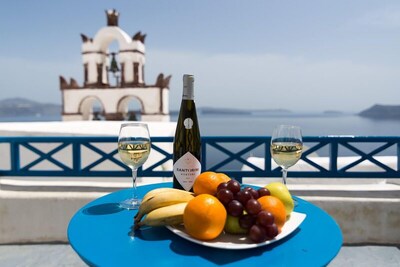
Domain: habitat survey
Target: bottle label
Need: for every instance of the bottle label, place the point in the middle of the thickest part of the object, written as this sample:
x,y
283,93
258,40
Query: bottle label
x,y
188,123
186,169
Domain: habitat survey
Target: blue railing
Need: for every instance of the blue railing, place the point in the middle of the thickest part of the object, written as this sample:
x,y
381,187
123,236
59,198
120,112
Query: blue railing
x,y
96,156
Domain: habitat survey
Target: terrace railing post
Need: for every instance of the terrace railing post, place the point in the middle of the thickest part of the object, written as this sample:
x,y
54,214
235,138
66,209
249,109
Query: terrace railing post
x,y
15,157
398,156
268,157
333,155
203,154
76,157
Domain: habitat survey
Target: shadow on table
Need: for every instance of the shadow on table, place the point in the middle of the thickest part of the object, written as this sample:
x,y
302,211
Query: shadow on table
x,y
103,209
218,256
221,256
151,233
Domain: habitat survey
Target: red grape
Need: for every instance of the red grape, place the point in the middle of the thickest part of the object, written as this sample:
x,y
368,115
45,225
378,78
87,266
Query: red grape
x,y
253,207
257,234
271,231
235,208
246,221
243,196
234,186
223,185
225,196
253,192
263,192
265,218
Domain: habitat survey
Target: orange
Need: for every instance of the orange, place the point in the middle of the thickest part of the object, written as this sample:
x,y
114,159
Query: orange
x,y
223,177
207,182
276,207
204,217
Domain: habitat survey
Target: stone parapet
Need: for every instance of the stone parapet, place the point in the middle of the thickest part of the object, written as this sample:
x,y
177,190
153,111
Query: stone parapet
x,y
40,213
364,220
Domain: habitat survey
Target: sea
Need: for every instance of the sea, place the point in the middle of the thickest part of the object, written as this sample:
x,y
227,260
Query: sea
x,y
312,124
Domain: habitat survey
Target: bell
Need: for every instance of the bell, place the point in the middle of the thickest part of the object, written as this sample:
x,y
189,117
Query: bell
x,y
114,65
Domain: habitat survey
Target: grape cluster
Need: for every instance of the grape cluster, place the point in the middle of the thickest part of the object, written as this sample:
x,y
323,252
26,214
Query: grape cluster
x,y
243,203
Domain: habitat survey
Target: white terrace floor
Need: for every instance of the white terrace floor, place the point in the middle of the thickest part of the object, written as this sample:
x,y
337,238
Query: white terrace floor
x,y
59,255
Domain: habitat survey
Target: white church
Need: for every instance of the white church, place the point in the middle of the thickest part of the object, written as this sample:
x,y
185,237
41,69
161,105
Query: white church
x,y
126,66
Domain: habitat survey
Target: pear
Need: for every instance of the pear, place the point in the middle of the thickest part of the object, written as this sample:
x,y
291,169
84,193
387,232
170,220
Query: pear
x,y
232,225
279,190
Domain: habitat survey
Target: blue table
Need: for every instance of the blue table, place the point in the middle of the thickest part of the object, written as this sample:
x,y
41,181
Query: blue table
x,y
100,233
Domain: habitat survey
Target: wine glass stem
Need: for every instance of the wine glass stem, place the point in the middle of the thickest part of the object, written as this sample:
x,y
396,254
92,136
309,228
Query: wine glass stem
x,y
284,175
134,176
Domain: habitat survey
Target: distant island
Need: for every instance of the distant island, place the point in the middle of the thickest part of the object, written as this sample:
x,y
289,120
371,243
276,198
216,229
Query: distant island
x,y
233,111
382,112
14,107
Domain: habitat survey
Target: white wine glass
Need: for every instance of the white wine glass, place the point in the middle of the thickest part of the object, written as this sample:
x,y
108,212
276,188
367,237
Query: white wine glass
x,y
134,149
286,147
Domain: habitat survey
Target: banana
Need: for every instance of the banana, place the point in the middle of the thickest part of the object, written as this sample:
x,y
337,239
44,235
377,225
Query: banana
x,y
156,191
168,215
162,199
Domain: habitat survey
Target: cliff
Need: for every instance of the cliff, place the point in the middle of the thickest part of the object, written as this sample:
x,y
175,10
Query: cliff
x,y
382,112
23,107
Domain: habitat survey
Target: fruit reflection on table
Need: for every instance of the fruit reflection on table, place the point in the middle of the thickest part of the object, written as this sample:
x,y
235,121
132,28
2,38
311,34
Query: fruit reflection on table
x,y
219,204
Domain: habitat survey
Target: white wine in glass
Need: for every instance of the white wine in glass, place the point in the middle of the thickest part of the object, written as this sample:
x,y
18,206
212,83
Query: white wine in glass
x,y
134,149
286,147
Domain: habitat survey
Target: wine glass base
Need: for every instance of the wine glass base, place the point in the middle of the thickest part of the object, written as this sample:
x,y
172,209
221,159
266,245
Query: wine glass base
x,y
130,204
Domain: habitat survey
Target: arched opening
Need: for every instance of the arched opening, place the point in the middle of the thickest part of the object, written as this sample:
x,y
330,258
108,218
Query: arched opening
x,y
92,108
131,108
110,40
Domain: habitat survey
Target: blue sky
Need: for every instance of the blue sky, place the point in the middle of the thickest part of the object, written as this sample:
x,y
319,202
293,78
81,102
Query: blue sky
x,y
298,55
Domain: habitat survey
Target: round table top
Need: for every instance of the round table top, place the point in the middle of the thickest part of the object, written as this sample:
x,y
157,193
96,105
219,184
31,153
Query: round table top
x,y
100,232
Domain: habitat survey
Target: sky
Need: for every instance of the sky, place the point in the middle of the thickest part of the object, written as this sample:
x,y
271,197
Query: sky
x,y
313,55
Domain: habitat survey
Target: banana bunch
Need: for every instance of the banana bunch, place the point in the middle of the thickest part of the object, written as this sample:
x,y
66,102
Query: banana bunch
x,y
162,206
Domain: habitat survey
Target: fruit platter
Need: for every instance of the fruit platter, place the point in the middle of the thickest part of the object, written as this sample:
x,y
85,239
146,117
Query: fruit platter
x,y
222,213
241,241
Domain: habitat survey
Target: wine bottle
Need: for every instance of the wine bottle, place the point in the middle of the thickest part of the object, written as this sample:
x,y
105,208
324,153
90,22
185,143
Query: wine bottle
x,y
187,141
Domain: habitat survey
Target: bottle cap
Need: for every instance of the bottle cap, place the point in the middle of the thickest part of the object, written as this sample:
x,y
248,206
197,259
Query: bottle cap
x,y
188,90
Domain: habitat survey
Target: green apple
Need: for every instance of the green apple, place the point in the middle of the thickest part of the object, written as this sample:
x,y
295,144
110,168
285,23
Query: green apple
x,y
280,191
232,225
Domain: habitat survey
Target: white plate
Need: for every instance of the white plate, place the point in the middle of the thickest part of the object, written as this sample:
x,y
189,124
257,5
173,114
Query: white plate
x,y
229,241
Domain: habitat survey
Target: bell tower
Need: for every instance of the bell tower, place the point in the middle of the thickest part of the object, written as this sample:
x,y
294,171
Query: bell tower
x,y
127,66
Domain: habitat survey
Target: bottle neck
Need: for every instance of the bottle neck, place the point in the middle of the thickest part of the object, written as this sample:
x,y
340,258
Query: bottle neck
x,y
188,88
